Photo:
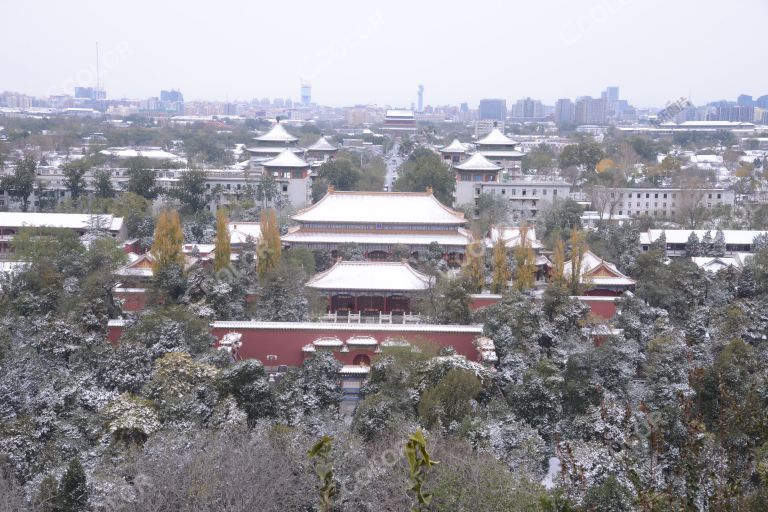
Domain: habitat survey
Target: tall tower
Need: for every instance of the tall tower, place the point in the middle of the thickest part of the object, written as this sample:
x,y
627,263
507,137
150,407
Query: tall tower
x,y
421,98
306,93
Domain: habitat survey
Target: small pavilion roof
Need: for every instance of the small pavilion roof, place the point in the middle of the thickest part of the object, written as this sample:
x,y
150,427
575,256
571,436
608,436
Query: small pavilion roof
x,y
370,276
477,162
496,138
286,159
380,208
322,144
455,147
239,231
276,134
597,271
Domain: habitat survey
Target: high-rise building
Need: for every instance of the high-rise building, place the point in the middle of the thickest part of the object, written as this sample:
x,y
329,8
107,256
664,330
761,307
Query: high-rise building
x,y
495,109
306,93
762,101
610,97
589,110
745,100
564,112
527,109
171,96
421,98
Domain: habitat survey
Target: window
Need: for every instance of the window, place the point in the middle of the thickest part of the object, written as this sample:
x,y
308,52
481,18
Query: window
x,y
543,191
647,195
554,192
285,188
655,196
719,196
503,191
665,196
638,195
709,196
533,192
524,191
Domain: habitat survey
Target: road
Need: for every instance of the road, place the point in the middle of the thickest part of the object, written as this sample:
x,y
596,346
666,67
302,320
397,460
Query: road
x,y
393,161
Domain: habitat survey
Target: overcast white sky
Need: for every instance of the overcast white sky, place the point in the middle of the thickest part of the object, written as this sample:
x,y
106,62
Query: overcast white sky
x,y
379,51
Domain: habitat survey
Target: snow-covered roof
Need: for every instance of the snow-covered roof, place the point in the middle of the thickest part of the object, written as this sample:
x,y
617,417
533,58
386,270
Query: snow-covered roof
x,y
7,267
354,369
328,341
285,159
322,144
477,162
271,150
596,271
459,238
150,153
400,113
716,263
239,231
380,208
370,276
680,236
334,327
455,147
496,138
362,341
511,236
60,220
277,134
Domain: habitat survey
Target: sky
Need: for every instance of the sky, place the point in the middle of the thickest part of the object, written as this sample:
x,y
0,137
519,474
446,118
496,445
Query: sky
x,y
377,52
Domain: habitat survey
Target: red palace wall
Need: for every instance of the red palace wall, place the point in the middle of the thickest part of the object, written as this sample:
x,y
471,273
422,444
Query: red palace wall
x,y
602,306
262,339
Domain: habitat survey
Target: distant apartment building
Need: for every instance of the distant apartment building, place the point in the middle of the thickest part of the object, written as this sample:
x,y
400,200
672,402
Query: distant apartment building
x,y
528,109
664,203
485,126
493,109
564,112
479,175
589,110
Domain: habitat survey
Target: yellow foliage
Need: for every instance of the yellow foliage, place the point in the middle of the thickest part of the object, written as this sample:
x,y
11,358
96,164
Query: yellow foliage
x,y
270,246
223,248
168,241
604,165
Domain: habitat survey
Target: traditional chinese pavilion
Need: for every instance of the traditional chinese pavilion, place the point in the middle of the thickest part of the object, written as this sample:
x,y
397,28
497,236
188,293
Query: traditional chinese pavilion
x,y
287,165
321,151
477,168
370,287
601,277
500,149
379,221
454,152
272,143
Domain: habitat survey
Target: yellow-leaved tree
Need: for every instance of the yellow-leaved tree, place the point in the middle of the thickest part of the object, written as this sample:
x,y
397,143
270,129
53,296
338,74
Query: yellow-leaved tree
x,y
270,246
168,241
223,249
558,265
474,265
525,260
501,272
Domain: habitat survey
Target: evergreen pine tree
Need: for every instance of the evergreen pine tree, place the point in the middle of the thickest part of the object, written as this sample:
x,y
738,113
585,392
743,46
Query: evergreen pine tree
x,y
223,249
718,245
73,489
706,244
693,246
501,272
270,245
168,241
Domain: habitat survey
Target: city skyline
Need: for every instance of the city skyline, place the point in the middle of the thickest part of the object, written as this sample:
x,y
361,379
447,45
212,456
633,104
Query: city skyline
x,y
379,56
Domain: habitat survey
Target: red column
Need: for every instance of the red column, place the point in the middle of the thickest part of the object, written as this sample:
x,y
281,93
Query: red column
x,y
385,305
357,309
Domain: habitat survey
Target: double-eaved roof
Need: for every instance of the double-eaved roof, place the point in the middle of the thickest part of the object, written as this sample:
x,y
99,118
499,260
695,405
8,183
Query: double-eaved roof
x,y
407,208
370,276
